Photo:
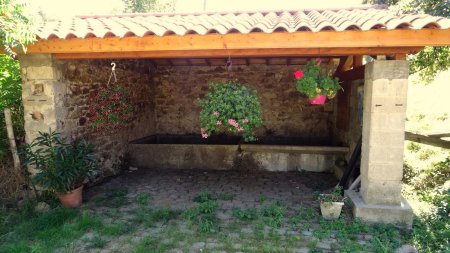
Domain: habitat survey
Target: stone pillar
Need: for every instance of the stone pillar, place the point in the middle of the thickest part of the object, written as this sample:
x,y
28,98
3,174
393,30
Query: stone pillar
x,y
42,94
384,113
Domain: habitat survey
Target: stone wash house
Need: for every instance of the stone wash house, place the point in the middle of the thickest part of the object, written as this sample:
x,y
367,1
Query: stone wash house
x,y
167,60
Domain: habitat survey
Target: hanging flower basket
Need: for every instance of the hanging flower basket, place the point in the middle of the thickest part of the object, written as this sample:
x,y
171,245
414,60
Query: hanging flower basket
x,y
317,86
230,107
110,109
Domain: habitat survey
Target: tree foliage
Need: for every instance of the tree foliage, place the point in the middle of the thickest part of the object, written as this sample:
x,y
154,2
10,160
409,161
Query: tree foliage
x,y
139,6
16,28
16,31
10,97
431,60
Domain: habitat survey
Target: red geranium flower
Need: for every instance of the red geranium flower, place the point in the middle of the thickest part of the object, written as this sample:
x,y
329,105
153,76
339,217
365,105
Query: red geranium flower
x,y
298,74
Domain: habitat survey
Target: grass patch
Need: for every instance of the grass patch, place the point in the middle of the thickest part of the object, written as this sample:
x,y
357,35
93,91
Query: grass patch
x,y
96,242
44,232
150,244
143,198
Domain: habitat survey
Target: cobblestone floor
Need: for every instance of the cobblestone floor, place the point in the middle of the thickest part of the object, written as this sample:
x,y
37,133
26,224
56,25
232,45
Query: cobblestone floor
x,y
177,188
129,226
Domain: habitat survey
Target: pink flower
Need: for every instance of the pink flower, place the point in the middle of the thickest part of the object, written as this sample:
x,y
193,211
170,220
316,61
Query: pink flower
x,y
233,122
244,120
318,61
298,74
204,136
202,130
219,122
215,113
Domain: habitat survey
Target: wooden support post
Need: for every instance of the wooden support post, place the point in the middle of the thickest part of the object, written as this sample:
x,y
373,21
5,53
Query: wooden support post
x,y
11,139
357,61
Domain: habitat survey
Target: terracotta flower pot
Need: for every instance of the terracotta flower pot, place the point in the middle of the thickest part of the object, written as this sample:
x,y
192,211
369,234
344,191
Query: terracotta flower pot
x,y
331,210
72,199
319,100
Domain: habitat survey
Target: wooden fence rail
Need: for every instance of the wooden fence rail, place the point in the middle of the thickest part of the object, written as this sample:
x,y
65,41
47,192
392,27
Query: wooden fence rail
x,y
431,139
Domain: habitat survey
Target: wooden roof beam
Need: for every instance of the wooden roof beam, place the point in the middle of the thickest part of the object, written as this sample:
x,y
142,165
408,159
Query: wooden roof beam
x,y
248,53
237,41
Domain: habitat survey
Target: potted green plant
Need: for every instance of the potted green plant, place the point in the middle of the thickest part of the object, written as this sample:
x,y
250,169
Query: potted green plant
x,y
331,204
61,167
230,107
315,84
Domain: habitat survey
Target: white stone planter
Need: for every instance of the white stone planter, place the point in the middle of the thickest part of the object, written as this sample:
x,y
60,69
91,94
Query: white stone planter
x,y
331,210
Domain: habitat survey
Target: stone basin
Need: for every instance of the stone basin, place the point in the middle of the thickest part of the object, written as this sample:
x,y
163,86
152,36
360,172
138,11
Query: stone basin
x,y
229,152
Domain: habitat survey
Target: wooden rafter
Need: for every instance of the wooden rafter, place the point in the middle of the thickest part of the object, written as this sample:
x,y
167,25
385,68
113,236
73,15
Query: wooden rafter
x,y
307,43
344,64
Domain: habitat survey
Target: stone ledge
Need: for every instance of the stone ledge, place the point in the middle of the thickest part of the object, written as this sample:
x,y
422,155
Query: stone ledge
x,y
294,149
399,215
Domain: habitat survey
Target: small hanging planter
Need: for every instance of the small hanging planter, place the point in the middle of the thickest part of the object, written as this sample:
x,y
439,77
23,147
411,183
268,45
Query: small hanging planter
x,y
317,86
230,107
319,100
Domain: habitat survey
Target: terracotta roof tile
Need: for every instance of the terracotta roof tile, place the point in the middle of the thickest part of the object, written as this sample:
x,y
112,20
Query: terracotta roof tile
x,y
143,24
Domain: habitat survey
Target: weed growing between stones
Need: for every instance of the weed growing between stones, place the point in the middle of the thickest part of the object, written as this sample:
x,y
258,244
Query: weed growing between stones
x,y
245,214
204,214
274,214
143,198
149,229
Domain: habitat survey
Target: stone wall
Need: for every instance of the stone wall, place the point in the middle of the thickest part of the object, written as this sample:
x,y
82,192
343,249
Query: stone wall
x,y
84,77
286,112
56,95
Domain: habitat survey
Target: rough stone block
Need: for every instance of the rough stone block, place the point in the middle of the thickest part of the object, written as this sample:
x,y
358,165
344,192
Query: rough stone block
x,y
380,153
36,60
385,138
390,170
377,192
400,214
387,70
41,73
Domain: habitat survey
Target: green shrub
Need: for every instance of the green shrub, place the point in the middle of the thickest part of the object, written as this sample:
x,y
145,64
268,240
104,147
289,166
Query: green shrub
x,y
426,154
409,173
413,147
431,233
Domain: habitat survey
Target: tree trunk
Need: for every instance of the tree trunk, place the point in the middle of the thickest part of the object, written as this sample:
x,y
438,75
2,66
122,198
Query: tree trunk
x,y
12,140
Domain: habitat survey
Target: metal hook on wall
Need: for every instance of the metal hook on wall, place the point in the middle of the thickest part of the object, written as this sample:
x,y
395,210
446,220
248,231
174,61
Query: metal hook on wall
x,y
229,64
113,73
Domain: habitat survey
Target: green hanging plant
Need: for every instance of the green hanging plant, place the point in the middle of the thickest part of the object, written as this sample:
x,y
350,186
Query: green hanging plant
x,y
230,107
313,83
